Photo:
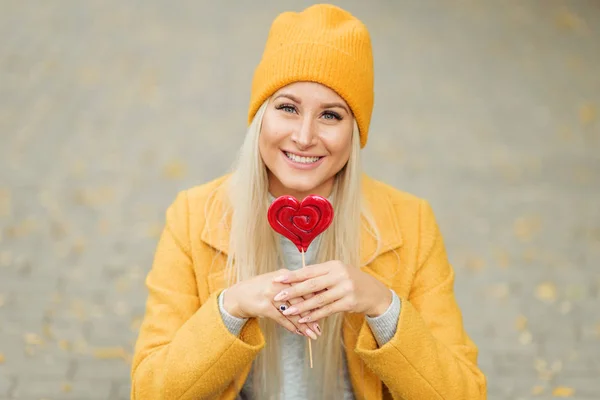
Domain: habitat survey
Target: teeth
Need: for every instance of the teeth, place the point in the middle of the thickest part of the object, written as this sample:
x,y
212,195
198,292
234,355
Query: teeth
x,y
304,160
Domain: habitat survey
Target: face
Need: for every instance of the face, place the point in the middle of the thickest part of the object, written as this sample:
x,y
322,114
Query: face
x,y
305,139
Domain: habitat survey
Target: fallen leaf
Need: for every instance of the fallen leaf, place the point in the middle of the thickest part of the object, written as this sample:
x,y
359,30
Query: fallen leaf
x,y
175,170
154,231
587,114
5,258
546,292
575,292
530,255
566,20
33,339
47,329
66,387
5,203
2,358
500,290
540,364
525,338
536,390
78,169
136,323
503,258
521,323
526,228
566,134
565,307
78,246
103,226
30,351
110,353
563,391
64,345
475,263
556,366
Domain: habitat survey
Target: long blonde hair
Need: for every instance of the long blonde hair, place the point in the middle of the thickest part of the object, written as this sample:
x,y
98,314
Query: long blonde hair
x,y
259,253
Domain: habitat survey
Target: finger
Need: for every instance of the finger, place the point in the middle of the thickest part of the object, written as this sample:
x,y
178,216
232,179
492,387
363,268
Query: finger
x,y
302,274
311,285
282,320
324,312
319,300
314,326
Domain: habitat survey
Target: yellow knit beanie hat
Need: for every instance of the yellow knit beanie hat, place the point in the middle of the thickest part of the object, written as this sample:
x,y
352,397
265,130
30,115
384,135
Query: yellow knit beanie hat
x,y
323,44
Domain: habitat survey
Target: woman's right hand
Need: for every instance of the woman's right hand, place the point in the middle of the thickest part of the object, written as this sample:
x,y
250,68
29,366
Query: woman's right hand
x,y
253,298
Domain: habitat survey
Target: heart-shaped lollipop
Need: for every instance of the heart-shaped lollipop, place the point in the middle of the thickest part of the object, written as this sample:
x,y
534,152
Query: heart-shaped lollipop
x,y
301,222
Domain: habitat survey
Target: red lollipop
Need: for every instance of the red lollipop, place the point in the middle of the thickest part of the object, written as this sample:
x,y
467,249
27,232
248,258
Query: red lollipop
x,y
301,222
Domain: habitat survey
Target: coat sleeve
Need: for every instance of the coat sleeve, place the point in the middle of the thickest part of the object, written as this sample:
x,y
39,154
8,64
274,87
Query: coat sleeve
x,y
184,350
430,356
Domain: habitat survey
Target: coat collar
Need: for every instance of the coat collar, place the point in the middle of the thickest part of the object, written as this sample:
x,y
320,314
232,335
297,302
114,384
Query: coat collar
x,y
218,221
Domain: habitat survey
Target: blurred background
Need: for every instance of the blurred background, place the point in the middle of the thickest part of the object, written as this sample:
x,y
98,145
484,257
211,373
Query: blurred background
x,y
488,109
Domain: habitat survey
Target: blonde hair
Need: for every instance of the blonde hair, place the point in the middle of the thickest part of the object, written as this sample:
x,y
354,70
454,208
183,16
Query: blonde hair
x,y
259,253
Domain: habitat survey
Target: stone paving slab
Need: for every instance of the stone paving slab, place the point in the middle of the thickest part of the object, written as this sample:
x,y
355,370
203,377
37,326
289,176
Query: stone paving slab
x,y
489,110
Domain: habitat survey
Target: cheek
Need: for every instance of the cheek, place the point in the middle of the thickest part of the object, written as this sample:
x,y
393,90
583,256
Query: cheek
x,y
340,147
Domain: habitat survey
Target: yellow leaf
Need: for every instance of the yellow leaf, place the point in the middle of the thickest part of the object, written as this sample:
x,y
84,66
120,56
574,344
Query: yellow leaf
x,y
546,292
500,290
536,390
563,391
5,258
33,339
587,114
64,344
521,323
5,203
2,358
527,227
47,329
108,353
568,21
136,323
475,263
503,258
525,338
66,387
175,170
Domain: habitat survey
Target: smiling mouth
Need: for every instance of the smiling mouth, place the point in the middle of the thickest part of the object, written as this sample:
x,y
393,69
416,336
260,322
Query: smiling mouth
x,y
300,159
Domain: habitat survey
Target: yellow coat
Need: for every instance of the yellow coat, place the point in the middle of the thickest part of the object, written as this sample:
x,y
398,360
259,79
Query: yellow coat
x,y
184,351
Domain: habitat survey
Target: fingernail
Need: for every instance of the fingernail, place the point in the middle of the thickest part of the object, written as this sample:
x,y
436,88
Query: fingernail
x,y
280,279
280,296
318,329
298,332
311,334
303,320
290,311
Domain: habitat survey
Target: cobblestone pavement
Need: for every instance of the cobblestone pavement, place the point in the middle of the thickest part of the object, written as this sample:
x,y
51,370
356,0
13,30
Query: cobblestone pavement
x,y
489,109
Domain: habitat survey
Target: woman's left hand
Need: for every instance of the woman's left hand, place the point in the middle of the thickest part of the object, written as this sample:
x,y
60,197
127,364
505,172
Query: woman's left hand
x,y
337,288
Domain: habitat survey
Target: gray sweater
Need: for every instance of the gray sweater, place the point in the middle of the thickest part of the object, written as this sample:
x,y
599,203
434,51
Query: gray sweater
x,y
293,358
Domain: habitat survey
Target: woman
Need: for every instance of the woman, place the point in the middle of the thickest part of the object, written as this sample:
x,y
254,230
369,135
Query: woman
x,y
230,308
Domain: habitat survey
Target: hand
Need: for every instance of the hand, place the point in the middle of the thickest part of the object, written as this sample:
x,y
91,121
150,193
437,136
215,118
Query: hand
x,y
254,298
342,289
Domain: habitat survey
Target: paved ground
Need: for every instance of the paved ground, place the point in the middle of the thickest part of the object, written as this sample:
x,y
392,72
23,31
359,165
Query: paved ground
x,y
108,108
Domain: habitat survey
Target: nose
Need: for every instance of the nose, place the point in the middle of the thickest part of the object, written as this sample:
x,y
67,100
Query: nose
x,y
305,136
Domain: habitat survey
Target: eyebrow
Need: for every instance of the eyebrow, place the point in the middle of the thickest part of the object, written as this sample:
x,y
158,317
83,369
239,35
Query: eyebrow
x,y
324,105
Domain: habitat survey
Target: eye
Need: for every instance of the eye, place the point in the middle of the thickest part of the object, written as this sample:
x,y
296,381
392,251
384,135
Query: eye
x,y
332,115
286,108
